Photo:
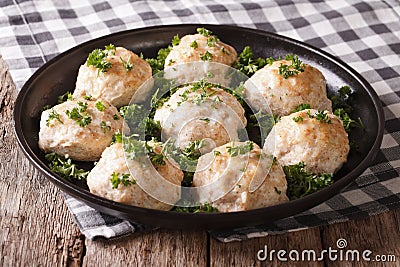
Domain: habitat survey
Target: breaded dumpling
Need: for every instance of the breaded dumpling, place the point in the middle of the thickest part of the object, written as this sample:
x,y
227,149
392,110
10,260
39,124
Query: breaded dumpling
x,y
111,179
242,175
284,95
81,129
113,74
201,111
314,137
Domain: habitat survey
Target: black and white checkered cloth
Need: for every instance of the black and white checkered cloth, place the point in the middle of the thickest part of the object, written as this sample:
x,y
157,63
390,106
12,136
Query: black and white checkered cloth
x,y
365,34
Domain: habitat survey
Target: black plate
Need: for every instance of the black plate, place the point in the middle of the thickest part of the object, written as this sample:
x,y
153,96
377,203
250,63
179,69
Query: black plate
x,y
59,74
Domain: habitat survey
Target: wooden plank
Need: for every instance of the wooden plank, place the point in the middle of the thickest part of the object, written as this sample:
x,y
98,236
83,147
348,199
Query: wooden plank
x,y
35,225
380,234
245,253
159,248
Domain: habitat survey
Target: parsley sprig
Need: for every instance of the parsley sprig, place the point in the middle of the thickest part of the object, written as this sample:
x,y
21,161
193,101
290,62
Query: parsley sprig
x,y
98,58
302,182
321,116
117,179
234,151
53,115
206,207
128,65
248,64
293,69
204,32
79,114
301,107
65,168
342,109
207,56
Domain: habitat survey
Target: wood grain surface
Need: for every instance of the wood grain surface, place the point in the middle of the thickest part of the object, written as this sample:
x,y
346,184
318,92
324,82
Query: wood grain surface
x,y
36,228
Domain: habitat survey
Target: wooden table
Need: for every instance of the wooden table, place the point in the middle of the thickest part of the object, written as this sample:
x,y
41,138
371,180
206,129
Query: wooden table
x,y
36,227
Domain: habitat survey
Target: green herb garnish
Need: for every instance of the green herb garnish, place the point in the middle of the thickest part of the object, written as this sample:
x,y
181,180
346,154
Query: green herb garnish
x,y
117,179
194,44
79,115
65,168
63,98
302,182
53,115
206,207
100,106
212,40
128,65
302,107
105,127
207,56
293,69
247,63
98,58
348,123
240,149
204,32
176,40
321,116
298,119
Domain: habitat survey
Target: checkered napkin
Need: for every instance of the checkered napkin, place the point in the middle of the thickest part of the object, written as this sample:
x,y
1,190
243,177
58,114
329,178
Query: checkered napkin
x,y
365,34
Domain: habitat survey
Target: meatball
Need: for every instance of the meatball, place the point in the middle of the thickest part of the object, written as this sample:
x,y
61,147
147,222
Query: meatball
x,y
268,87
119,83
80,129
107,179
314,137
198,55
247,180
201,111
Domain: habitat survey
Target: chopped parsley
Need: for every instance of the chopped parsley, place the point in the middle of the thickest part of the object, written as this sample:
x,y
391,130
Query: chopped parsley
x,y
117,179
128,65
139,122
204,32
100,106
117,138
342,109
247,63
217,153
212,40
293,69
321,116
65,168
348,123
65,97
302,107
53,115
116,117
207,56
194,44
234,151
206,207
105,127
87,97
137,149
79,115
302,182
176,40
157,64
98,58
298,119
